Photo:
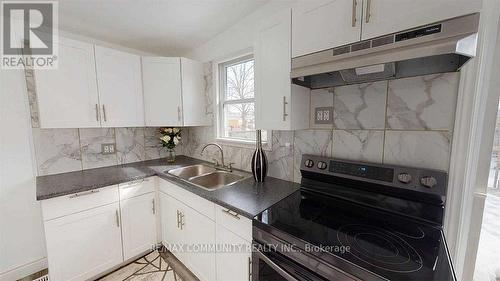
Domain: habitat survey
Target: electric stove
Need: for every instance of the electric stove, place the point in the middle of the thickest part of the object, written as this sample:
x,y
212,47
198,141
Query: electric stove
x,y
355,221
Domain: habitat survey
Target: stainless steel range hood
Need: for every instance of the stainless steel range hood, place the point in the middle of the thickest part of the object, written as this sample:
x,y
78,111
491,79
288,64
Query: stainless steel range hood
x,y
441,47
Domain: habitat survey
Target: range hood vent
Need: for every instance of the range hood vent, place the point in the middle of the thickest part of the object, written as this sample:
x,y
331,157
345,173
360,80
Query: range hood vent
x,y
441,47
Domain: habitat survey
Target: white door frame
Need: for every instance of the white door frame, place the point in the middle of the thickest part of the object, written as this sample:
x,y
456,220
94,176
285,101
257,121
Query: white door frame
x,y
472,145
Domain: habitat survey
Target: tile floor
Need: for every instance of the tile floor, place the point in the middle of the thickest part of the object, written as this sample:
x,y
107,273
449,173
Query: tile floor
x,y
151,267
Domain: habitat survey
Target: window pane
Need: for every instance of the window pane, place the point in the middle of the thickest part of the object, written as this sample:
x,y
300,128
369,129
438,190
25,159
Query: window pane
x,y
239,81
239,121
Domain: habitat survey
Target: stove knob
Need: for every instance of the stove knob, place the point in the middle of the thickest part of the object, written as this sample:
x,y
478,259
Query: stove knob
x,y
404,178
428,182
309,163
321,165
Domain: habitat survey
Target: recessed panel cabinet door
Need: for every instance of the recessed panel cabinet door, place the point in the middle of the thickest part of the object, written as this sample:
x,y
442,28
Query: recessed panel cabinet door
x,y
85,244
194,101
162,91
172,236
318,25
233,265
67,96
381,17
138,224
120,88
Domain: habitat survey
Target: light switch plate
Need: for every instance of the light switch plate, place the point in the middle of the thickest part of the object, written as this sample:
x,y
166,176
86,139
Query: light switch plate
x,y
108,148
323,115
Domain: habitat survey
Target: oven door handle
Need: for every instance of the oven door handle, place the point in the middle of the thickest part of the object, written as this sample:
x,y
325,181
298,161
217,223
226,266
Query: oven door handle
x,y
274,266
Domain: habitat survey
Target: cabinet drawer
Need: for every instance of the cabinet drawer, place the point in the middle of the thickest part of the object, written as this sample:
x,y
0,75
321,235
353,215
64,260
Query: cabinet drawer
x,y
234,222
194,201
135,188
77,202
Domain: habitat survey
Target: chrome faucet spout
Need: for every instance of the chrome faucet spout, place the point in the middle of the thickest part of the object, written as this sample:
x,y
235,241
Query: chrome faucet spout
x,y
220,149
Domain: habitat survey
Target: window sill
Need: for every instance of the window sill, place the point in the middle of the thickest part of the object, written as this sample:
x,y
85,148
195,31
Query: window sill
x,y
243,143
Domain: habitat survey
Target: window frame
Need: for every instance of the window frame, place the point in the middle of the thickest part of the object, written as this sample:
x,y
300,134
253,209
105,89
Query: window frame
x,y
222,102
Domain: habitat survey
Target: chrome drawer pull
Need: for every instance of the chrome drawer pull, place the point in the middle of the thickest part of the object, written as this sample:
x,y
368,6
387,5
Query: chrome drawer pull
x,y
117,219
84,193
232,214
133,183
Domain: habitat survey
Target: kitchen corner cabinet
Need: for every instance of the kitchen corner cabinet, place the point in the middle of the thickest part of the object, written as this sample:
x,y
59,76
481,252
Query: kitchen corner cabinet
x,y
387,16
85,244
120,88
67,96
318,25
174,86
138,216
280,105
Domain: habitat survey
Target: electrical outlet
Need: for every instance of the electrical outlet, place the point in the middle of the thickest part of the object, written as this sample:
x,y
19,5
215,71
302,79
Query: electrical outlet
x,y
323,115
107,148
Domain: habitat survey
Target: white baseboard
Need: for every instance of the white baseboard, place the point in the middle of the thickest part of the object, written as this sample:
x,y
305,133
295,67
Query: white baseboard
x,y
24,270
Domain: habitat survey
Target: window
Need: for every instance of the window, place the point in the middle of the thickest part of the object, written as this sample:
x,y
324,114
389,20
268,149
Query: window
x,y
236,116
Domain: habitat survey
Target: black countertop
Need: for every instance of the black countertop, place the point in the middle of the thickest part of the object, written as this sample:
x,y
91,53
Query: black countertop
x,y
245,197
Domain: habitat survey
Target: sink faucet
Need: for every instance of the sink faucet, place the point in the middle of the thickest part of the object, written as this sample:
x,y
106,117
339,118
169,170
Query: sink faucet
x,y
222,166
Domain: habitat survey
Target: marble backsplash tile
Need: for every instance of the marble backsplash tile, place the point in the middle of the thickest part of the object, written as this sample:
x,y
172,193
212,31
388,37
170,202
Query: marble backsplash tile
x,y
360,145
423,103
317,142
130,145
91,141
320,98
57,150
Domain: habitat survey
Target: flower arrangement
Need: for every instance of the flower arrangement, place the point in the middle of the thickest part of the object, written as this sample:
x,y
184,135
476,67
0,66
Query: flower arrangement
x,y
170,137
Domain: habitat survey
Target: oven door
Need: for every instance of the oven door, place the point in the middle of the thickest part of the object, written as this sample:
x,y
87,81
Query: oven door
x,y
272,266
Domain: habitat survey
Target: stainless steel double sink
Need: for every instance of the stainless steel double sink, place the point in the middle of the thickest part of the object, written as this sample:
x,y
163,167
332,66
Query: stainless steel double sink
x,y
207,177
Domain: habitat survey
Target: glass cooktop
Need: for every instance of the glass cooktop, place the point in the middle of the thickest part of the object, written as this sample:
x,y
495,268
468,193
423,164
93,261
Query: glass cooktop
x,y
391,246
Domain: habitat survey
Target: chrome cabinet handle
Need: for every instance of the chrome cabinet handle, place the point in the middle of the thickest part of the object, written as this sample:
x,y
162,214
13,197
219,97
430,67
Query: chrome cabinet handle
x,y
154,207
84,193
354,4
182,223
133,183
178,113
368,10
249,269
284,108
104,113
231,213
178,219
96,112
117,219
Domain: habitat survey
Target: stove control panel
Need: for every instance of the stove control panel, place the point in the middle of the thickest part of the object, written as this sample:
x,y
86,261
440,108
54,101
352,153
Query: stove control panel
x,y
416,179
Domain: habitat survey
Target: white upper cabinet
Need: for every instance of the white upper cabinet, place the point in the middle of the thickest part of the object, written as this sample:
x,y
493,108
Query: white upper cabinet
x,y
161,78
322,24
387,16
172,87
193,95
67,96
120,88
276,107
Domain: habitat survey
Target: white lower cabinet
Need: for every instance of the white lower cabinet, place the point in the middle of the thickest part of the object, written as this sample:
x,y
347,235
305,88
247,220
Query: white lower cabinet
x,y
188,234
138,224
85,244
234,264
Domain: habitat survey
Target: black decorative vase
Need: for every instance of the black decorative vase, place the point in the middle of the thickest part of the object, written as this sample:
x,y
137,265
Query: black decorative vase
x,y
259,160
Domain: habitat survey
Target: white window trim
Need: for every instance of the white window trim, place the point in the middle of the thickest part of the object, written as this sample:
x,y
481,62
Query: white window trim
x,y
219,85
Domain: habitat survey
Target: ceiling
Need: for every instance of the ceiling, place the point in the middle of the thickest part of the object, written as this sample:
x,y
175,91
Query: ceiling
x,y
163,27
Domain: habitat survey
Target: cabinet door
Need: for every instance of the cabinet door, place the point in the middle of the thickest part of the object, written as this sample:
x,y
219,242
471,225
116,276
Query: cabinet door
x,y
67,96
272,72
323,24
172,234
162,91
199,230
120,88
387,16
234,265
194,100
83,245
138,224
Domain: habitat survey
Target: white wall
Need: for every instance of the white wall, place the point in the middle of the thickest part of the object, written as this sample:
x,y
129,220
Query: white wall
x,y
22,243
239,37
